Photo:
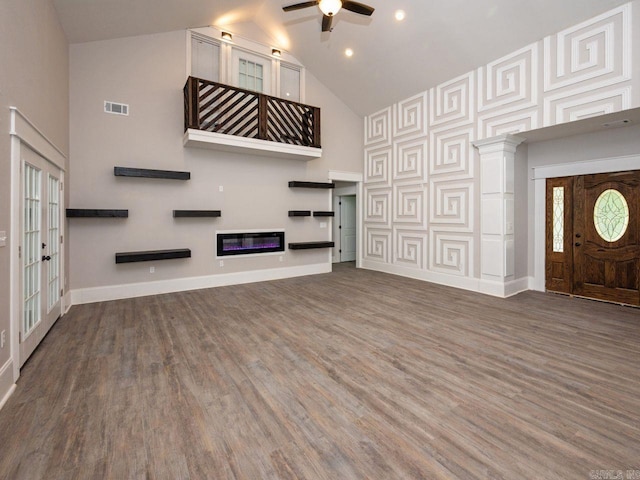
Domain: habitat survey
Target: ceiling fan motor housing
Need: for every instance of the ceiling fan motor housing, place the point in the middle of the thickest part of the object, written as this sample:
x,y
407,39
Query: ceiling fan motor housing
x,y
330,7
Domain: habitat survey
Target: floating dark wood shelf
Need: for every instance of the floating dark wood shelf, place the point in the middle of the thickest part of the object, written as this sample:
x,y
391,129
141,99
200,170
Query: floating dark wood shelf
x,y
309,245
147,173
299,213
95,213
147,256
323,214
196,213
296,184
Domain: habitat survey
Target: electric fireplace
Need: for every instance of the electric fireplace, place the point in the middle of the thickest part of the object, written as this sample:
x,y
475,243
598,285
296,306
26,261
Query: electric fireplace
x,y
249,242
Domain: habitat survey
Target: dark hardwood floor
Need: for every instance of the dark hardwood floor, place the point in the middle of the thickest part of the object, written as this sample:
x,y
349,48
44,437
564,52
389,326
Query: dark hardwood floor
x,y
353,374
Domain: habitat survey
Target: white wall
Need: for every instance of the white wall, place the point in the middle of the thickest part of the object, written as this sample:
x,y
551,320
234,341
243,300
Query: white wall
x,y
34,78
148,73
422,173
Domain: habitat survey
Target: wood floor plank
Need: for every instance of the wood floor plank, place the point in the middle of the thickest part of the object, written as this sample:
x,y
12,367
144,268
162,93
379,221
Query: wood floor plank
x,y
350,375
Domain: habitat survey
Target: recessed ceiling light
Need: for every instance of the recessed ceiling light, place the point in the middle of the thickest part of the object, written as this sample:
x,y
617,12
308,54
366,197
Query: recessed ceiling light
x,y
400,15
348,52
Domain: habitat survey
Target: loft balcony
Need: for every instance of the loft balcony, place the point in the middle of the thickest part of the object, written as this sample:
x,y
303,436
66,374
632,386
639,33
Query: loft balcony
x,y
228,118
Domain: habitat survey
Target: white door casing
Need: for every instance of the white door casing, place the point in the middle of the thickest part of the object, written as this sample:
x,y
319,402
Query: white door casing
x,y
357,178
26,135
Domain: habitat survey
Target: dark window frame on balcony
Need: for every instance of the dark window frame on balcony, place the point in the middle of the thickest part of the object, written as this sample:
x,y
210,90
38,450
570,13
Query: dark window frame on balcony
x,y
219,108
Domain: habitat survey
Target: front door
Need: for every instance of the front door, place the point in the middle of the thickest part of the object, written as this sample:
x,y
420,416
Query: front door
x,y
593,236
40,250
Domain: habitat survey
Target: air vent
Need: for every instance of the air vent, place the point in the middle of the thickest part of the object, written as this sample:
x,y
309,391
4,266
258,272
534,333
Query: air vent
x,y
116,108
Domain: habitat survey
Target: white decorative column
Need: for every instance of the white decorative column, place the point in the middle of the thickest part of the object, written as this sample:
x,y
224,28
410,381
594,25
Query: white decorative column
x,y
497,164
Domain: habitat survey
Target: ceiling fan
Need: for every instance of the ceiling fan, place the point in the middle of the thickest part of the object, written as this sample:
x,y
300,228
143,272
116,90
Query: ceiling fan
x,y
330,7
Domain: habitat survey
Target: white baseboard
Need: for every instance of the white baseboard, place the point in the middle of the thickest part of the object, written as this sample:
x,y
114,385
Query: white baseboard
x,y
7,386
131,290
465,283
479,285
504,290
518,286
67,302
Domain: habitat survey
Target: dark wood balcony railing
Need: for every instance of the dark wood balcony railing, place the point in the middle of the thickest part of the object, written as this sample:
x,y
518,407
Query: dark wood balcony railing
x,y
214,107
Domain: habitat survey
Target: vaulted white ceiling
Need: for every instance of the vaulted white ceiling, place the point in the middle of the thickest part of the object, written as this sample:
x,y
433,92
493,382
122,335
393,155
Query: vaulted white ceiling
x,y
438,40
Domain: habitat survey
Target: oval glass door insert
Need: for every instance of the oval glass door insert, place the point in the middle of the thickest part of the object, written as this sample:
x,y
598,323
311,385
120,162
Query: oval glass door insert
x,y
611,215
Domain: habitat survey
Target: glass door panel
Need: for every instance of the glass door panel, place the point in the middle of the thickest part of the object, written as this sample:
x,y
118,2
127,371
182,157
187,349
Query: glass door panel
x,y
54,244
31,243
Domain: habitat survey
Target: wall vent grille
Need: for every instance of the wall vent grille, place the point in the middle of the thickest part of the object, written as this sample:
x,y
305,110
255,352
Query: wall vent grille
x,y
116,108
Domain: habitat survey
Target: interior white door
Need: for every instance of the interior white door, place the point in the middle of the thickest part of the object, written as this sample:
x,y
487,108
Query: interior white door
x,y
347,228
40,250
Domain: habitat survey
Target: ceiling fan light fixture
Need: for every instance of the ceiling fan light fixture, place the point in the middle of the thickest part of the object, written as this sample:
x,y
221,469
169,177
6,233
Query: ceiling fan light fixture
x,y
330,7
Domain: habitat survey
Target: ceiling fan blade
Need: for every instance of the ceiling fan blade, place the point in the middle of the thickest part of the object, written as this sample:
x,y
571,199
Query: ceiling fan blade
x,y
326,23
357,7
299,6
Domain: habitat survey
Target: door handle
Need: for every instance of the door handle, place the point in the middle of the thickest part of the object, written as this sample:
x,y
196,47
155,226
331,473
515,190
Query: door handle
x,y
46,258
578,235
577,244
44,245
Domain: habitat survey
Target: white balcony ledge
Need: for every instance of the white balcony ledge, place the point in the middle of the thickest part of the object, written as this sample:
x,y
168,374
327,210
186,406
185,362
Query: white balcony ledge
x,y
231,143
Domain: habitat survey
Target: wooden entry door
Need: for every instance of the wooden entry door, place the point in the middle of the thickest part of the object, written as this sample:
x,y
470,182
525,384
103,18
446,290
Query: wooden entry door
x,y
596,252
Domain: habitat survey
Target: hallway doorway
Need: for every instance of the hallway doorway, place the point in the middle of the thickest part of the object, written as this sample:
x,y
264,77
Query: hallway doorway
x,y
345,222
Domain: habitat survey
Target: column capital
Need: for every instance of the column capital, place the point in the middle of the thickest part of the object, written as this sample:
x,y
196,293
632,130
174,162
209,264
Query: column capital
x,y
500,143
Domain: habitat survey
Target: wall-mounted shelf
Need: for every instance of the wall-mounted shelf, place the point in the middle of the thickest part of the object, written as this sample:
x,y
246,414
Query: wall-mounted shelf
x,y
297,184
150,255
96,213
323,214
310,245
299,213
196,213
147,173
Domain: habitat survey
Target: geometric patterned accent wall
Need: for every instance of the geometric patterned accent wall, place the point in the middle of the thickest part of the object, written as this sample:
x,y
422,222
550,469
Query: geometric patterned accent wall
x,y
421,172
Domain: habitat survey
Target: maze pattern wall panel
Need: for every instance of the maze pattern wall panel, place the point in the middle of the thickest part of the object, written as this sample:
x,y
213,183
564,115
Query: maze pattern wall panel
x,y
377,167
377,245
508,93
421,172
411,248
452,103
377,128
410,116
587,68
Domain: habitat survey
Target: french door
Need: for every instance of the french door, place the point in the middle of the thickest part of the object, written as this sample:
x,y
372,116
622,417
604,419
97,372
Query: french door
x,y
39,250
593,236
